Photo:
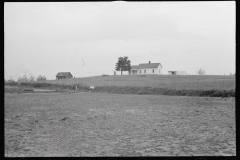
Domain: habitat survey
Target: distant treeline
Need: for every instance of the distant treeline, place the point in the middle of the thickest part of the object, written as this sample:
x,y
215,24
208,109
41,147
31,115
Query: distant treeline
x,y
133,90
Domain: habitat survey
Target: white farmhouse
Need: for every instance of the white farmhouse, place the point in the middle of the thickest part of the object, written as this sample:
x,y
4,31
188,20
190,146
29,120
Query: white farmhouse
x,y
146,68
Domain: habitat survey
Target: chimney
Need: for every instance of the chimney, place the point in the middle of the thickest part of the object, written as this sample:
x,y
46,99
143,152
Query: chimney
x,y
149,62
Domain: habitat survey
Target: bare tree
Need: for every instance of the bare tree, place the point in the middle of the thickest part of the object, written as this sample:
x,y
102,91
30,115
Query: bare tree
x,y
31,78
19,79
39,78
23,79
44,78
10,79
201,72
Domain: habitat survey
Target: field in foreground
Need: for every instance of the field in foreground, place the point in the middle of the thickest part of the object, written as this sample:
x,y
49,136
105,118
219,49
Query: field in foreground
x,y
178,82
93,124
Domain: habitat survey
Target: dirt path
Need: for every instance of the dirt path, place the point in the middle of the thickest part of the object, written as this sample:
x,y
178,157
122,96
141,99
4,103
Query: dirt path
x,y
92,124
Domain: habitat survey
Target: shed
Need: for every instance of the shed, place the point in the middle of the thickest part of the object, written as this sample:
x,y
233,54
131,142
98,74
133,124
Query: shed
x,y
177,72
64,75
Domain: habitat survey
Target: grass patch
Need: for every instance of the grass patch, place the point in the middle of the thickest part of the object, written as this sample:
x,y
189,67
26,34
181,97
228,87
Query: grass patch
x,y
135,90
194,82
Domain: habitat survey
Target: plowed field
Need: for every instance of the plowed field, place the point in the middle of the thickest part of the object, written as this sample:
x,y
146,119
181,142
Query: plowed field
x,y
97,124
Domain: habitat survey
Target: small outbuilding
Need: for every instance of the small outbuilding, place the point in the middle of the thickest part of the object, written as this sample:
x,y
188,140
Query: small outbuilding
x,y
64,75
177,72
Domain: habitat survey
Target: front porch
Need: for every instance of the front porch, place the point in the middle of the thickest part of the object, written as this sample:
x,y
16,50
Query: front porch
x,y
133,72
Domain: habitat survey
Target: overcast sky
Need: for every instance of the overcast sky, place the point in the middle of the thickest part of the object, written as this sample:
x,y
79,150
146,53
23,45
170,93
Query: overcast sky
x,y
50,37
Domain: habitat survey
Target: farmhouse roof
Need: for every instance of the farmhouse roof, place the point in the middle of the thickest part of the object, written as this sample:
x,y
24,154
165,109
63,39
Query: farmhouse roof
x,y
146,65
63,74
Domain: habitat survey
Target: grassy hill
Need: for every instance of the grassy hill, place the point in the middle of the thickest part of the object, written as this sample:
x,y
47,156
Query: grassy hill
x,y
178,82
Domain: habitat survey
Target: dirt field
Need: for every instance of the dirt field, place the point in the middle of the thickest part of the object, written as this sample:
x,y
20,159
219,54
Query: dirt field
x,y
94,124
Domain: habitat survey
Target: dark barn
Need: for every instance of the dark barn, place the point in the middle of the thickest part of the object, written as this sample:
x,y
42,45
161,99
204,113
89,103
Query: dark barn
x,y
64,75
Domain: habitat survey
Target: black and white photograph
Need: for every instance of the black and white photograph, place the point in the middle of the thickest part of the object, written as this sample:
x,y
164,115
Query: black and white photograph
x,y
119,79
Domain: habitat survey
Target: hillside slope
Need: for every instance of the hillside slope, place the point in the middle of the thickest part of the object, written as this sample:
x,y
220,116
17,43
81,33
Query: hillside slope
x,y
195,82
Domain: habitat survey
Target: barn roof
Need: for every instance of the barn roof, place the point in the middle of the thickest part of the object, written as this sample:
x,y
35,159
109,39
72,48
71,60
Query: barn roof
x,y
146,65
63,74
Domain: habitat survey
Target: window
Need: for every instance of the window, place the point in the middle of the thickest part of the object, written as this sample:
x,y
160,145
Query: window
x,y
145,71
153,70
